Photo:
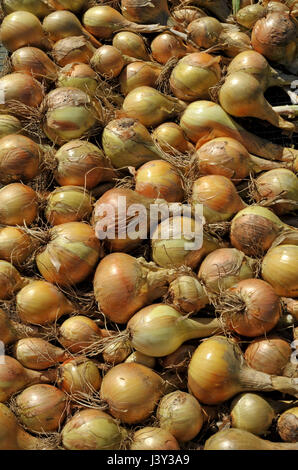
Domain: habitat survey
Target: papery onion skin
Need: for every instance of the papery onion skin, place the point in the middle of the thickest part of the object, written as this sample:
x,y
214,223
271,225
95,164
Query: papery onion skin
x,y
41,408
78,332
79,376
78,75
131,391
270,354
20,158
71,254
205,32
41,302
187,294
18,204
35,62
10,280
287,425
252,413
12,331
179,359
180,414
9,125
166,46
107,61
68,204
140,11
153,438
38,354
72,49
92,430
21,87
139,74
131,45
279,268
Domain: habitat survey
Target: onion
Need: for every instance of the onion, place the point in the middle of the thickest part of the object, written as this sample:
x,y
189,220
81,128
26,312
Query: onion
x,y
41,408
68,204
131,45
220,9
250,14
166,46
80,163
9,125
38,354
11,331
77,333
77,75
242,95
228,157
173,251
270,354
279,268
35,62
180,414
224,267
234,42
14,377
218,371
187,295
40,8
275,37
71,254
274,188
18,204
127,142
287,425
150,106
62,24
92,430
10,280
251,412
194,75
13,436
238,439
145,11
187,14
131,392
139,74
204,120
219,197
159,330
290,306
72,5
41,302
153,438
124,284
115,353
69,114
20,87
108,61
103,21
205,32
143,359
254,229
171,138
79,377
20,158
159,179
178,360
22,28
72,49
250,307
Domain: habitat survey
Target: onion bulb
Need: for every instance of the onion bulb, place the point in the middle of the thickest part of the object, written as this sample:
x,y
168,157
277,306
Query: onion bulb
x,y
9,125
144,11
205,32
287,425
41,408
16,245
108,61
124,284
20,87
150,106
20,158
11,331
80,163
78,333
279,268
71,254
10,280
219,197
270,354
217,371
252,413
250,14
131,44
79,377
171,138
178,360
131,392
68,204
139,74
18,204
35,62
78,75
38,354
225,267
187,295
127,142
38,7
194,75
166,46
180,414
153,438
92,430
41,302
115,353
159,179
21,28
143,359
239,439
72,49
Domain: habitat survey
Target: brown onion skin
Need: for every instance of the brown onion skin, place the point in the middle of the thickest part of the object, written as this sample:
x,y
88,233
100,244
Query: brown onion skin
x,y
35,62
260,310
38,354
19,158
287,425
166,46
15,245
79,376
72,49
78,333
21,87
153,438
269,355
18,204
179,359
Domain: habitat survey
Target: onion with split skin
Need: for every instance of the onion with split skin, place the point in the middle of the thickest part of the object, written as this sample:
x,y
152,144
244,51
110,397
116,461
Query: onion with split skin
x,y
9,125
35,62
18,204
139,74
279,268
187,14
268,354
187,294
20,87
41,303
68,204
11,280
20,158
79,377
71,254
131,44
171,138
72,49
78,75
38,354
238,439
81,163
153,438
218,371
287,425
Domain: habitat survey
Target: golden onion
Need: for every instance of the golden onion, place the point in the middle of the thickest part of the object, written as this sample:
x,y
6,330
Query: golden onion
x,y
68,204
279,268
18,204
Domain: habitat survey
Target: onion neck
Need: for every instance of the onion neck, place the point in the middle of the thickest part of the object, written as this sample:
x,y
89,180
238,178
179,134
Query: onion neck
x,y
251,379
20,331
46,376
277,78
200,327
158,279
261,164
